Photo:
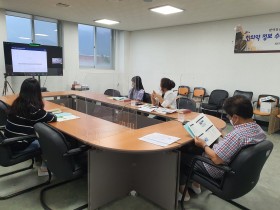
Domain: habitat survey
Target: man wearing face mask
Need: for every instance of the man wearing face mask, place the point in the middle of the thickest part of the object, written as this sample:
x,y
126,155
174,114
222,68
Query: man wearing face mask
x,y
239,111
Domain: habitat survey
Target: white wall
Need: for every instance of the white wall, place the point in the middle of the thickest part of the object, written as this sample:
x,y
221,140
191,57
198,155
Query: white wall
x,y
194,55
98,80
202,55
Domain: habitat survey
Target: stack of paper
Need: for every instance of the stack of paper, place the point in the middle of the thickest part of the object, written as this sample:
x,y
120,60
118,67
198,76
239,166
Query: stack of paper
x,y
124,99
65,116
147,108
159,139
162,110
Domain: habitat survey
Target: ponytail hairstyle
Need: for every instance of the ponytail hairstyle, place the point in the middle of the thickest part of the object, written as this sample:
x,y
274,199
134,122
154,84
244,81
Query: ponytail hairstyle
x,y
167,84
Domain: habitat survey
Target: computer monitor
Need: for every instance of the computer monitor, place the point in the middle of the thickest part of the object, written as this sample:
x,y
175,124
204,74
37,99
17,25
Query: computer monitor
x,y
32,59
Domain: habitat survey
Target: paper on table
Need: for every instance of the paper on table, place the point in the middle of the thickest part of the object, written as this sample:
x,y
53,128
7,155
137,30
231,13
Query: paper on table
x,y
162,110
159,139
147,108
65,116
54,111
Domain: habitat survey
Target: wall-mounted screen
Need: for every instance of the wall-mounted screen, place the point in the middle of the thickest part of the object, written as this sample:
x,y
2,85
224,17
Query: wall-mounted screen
x,y
32,60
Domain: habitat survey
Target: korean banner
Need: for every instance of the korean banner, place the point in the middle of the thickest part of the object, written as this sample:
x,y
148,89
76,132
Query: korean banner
x,y
257,39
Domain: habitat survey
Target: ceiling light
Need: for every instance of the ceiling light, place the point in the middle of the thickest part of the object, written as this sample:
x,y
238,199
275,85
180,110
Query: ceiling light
x,y
41,35
107,22
166,10
21,37
62,5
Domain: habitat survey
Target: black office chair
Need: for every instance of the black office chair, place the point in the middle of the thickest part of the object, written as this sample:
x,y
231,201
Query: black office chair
x,y
215,102
4,109
147,98
247,94
186,103
64,162
112,92
9,158
240,177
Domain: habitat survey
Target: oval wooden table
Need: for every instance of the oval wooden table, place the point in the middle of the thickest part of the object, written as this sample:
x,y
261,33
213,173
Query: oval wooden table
x,y
118,161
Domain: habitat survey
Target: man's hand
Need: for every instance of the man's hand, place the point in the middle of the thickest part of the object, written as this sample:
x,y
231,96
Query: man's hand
x,y
199,142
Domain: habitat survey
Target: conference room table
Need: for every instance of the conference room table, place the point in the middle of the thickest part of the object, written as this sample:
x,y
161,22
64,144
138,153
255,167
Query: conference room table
x,y
118,162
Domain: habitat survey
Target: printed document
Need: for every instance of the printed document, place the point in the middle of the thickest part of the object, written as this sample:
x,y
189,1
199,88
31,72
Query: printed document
x,y
159,139
203,128
65,116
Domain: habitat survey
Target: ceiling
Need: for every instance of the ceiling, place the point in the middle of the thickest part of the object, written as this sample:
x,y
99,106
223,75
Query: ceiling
x,y
135,14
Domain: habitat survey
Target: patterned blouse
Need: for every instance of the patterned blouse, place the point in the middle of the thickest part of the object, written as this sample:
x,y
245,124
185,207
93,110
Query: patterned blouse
x,y
136,94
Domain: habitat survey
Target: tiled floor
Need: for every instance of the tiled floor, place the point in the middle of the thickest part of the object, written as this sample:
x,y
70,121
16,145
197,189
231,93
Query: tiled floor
x,y
265,195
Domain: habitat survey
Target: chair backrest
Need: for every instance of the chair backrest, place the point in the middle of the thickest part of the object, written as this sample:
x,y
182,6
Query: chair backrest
x,y
5,151
4,108
54,145
147,98
247,94
112,92
247,166
199,92
5,154
265,95
217,97
186,103
183,90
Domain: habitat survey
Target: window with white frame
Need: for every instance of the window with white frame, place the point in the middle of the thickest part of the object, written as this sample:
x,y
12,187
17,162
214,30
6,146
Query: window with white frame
x,y
23,28
96,47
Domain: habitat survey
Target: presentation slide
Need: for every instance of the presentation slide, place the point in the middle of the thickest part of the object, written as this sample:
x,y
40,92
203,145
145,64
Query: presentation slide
x,y
29,61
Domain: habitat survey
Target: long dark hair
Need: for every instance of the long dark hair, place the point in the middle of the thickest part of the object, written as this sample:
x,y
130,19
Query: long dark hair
x,y
138,82
30,97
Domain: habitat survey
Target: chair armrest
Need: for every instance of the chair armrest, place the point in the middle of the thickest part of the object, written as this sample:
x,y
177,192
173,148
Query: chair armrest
x,y
19,138
76,151
208,161
206,96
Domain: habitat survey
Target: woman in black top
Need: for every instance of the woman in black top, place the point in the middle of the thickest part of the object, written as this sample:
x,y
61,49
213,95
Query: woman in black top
x,y
25,112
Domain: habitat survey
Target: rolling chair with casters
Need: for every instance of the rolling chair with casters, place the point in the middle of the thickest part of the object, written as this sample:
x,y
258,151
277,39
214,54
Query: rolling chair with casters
x,y
247,94
240,176
9,158
112,92
215,102
186,103
62,160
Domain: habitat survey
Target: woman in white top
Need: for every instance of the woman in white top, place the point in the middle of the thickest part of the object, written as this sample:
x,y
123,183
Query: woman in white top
x,y
137,90
168,98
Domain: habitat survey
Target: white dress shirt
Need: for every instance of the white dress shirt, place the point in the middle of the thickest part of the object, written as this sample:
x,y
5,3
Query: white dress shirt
x,y
169,100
